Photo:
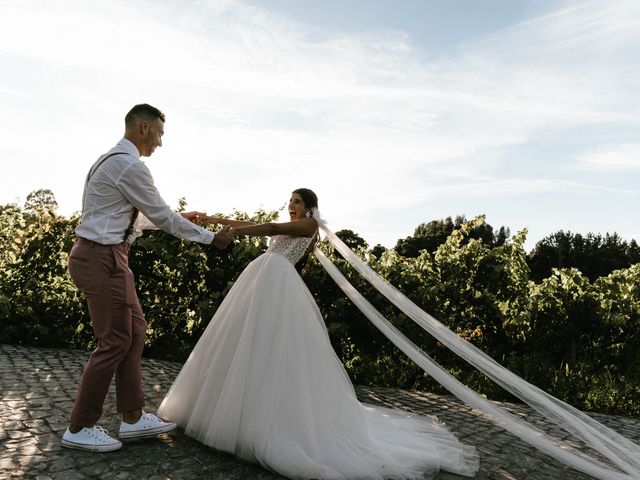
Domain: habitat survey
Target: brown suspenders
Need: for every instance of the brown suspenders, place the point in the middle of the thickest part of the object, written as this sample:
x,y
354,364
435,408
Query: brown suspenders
x,y
92,171
134,215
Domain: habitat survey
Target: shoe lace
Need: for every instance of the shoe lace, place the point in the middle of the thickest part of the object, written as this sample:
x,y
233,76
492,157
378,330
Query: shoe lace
x,y
99,432
150,416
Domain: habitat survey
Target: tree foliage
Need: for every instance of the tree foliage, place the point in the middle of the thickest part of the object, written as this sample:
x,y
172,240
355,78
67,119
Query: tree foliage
x,y
594,255
429,236
41,203
574,334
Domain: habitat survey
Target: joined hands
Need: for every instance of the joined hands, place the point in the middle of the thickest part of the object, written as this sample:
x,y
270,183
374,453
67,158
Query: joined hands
x,y
222,238
195,217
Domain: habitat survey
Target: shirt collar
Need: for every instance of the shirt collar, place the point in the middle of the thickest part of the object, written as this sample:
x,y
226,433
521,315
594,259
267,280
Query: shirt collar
x,y
129,147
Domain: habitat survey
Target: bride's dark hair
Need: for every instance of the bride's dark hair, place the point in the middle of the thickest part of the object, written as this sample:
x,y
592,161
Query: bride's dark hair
x,y
310,200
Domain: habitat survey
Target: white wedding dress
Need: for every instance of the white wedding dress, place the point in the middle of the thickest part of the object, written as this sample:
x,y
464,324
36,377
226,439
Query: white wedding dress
x,y
264,383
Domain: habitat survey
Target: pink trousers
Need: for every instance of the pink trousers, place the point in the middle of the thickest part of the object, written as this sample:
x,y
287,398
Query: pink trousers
x,y
102,274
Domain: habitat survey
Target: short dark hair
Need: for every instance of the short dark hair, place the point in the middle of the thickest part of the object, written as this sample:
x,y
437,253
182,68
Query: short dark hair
x,y
309,198
142,111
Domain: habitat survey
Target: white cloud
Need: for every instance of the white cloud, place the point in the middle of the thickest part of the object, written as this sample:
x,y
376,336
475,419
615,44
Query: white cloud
x,y
612,158
258,104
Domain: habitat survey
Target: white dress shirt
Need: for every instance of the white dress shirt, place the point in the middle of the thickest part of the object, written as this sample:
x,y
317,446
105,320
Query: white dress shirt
x,y
121,183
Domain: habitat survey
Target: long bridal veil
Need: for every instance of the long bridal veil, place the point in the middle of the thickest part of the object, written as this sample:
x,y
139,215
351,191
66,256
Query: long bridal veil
x,y
620,451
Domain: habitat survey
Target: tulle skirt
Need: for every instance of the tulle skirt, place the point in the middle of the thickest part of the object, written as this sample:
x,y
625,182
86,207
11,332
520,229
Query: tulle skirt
x,y
264,383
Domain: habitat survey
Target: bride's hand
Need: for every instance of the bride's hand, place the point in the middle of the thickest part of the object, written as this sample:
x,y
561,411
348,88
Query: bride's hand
x,y
195,217
211,220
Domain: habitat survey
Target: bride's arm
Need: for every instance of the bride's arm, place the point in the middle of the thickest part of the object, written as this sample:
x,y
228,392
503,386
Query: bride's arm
x,y
305,227
226,221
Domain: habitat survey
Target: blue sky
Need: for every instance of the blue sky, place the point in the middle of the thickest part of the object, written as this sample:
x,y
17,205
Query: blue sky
x,y
395,113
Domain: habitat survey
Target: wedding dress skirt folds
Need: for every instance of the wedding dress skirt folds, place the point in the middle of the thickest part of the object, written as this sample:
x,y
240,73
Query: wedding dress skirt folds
x,y
264,384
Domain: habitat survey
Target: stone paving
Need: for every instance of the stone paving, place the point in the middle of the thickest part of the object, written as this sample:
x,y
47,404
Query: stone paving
x,y
37,387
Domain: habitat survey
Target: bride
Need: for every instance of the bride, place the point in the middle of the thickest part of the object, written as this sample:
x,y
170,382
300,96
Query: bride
x,y
264,383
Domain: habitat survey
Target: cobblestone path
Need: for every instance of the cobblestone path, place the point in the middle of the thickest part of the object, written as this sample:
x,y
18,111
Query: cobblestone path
x,y
37,387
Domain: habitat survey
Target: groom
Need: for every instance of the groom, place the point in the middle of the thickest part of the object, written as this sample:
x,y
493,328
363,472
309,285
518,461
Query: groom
x,y
117,187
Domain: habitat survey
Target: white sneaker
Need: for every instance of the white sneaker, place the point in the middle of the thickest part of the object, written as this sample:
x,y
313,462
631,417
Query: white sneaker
x,y
93,439
148,426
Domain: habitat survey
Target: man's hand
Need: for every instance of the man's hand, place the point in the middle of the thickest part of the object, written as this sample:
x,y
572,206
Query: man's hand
x,y
196,217
222,238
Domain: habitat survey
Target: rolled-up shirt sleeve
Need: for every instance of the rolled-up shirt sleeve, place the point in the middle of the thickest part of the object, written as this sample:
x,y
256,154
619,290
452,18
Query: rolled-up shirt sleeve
x,y
137,186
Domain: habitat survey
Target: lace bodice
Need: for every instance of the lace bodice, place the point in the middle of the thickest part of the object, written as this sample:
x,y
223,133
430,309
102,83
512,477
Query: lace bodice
x,y
292,248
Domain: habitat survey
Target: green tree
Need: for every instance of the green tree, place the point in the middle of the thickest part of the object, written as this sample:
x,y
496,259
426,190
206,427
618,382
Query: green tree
x,y
352,239
429,236
40,203
594,255
378,250
44,308
13,226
